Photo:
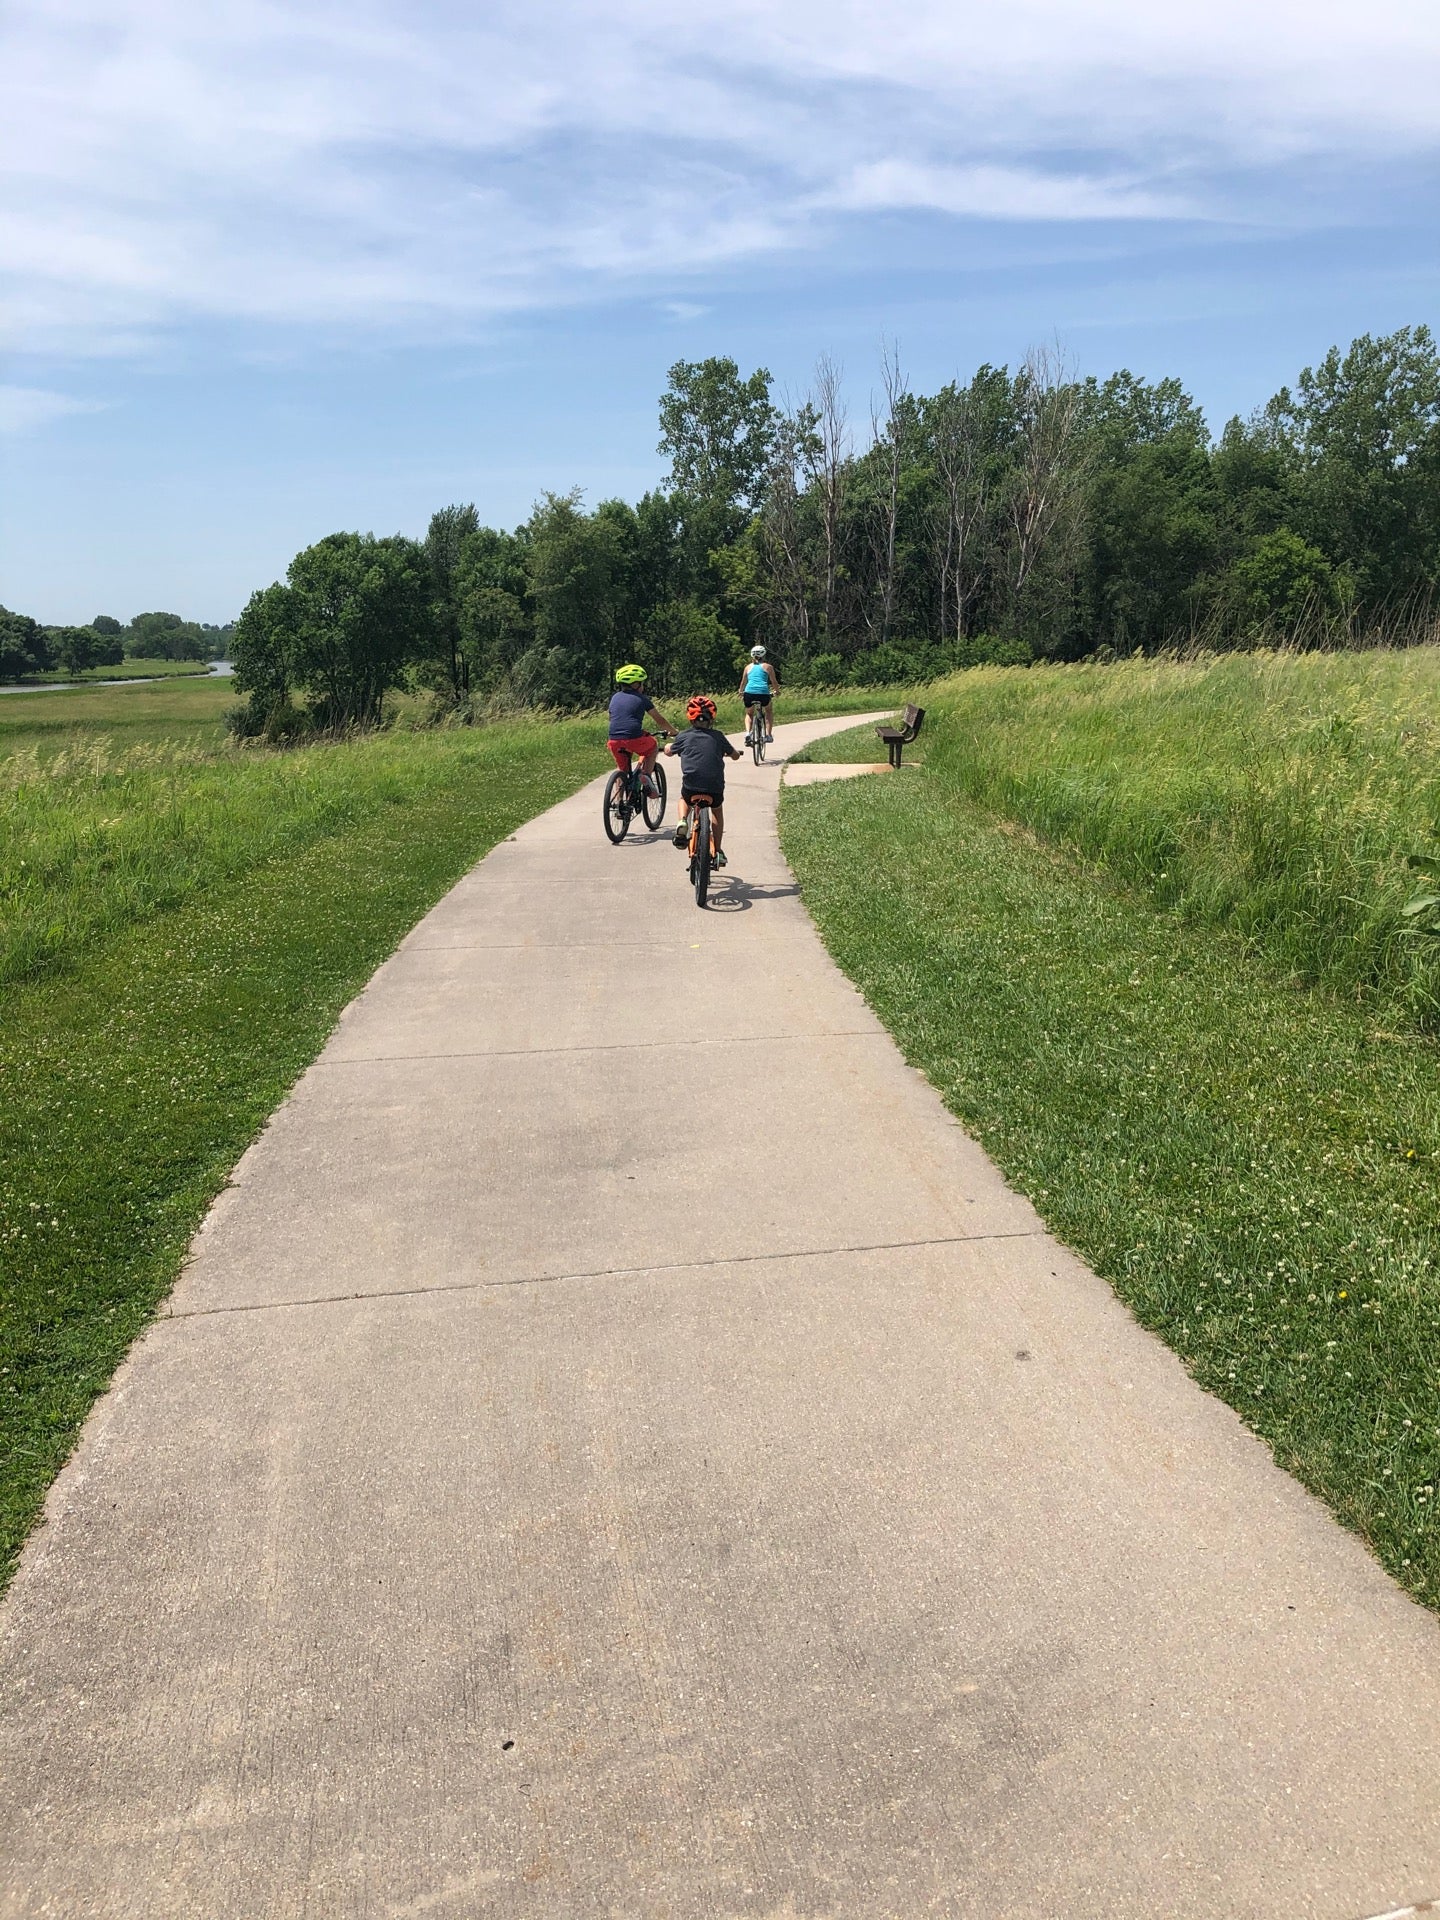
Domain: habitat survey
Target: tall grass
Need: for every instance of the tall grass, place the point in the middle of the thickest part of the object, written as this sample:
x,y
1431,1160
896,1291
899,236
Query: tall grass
x,y
95,838
1277,795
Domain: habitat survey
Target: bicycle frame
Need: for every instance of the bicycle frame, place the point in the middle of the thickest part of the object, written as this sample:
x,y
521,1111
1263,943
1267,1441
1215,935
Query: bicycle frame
x,y
702,851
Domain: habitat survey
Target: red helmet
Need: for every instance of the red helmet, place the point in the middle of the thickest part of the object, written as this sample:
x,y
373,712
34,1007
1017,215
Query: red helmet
x,y
700,707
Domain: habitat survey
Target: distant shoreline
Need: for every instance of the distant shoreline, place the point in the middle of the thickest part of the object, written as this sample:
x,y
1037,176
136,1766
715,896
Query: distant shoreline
x,y
216,670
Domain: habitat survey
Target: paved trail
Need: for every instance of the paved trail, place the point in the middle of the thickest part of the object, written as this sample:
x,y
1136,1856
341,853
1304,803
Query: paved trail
x,y
522,1514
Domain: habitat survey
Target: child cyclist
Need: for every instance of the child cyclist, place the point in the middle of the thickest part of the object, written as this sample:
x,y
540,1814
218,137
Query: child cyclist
x,y
703,753
629,705
758,686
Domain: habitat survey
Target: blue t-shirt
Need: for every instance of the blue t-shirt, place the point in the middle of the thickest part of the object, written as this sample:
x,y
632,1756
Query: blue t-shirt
x,y
627,714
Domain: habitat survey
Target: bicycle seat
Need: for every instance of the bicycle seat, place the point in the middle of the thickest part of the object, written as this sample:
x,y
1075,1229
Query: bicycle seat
x,y
702,799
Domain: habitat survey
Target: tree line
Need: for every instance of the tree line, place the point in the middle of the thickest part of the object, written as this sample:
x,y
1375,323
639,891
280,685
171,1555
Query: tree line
x,y
27,647
1025,514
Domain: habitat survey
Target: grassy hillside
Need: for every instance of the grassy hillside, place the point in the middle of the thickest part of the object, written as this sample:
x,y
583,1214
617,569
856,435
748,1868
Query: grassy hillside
x,y
1276,795
1138,926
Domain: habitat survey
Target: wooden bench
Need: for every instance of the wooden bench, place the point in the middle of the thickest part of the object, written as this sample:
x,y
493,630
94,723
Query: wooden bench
x,y
898,738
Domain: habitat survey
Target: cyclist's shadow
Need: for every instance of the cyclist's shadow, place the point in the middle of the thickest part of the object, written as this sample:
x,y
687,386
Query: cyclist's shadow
x,y
734,895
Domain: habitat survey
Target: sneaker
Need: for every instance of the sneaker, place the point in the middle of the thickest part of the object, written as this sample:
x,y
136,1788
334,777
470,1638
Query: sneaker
x,y
721,861
682,834
649,786
769,736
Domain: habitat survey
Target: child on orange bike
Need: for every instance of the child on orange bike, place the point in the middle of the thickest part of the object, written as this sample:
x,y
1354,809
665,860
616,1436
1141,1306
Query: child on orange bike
x,y
629,705
702,753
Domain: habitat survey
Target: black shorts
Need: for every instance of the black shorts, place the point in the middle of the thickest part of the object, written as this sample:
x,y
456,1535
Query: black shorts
x,y
759,699
716,791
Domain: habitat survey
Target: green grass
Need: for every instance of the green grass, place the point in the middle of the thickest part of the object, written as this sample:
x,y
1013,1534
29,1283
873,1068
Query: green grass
x,y
1251,1164
147,1047
95,839
1276,795
179,711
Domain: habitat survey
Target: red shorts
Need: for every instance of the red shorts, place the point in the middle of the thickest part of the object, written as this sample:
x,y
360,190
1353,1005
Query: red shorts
x,y
644,744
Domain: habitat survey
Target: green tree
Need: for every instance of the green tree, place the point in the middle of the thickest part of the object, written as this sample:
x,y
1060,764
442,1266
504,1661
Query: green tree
x,y
359,613
262,648
688,649
165,636
1152,512
719,432
492,610
106,623
575,570
1286,583
444,544
23,646
1363,432
79,649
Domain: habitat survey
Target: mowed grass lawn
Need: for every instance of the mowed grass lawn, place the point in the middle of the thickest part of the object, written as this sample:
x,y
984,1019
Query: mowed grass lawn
x,y
1237,1126
181,922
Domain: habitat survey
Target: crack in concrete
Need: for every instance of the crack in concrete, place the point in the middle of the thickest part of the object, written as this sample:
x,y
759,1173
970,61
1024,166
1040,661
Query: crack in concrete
x,y
606,1046
597,1273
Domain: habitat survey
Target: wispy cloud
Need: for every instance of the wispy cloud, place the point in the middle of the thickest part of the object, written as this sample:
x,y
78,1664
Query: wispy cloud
x,y
23,409
1002,193
429,164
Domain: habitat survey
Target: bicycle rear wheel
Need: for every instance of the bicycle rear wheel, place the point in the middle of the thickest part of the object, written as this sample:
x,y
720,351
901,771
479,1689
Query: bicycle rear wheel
x,y
759,736
700,859
617,807
655,802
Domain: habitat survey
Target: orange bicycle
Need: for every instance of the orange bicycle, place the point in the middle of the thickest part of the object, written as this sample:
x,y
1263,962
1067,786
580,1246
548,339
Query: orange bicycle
x,y
702,845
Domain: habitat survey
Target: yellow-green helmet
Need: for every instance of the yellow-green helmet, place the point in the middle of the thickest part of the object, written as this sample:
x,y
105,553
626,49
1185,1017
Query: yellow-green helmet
x,y
630,676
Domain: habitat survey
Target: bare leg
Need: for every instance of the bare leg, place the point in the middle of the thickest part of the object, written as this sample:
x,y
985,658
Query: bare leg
x,y
717,815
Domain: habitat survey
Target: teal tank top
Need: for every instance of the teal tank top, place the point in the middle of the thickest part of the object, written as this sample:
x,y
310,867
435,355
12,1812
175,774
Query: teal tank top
x,y
757,680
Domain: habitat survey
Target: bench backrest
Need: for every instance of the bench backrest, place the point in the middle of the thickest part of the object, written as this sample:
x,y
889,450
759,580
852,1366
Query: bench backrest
x,y
913,717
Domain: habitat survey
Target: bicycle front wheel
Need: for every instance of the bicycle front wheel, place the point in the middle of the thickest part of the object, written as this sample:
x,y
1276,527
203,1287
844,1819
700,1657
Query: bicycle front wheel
x,y
700,861
617,807
655,802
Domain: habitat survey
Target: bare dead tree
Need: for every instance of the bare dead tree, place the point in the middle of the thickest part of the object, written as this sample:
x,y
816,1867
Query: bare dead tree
x,y
829,470
888,430
795,450
1048,473
961,448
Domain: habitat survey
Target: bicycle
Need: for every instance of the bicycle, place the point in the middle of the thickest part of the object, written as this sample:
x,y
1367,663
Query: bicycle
x,y
702,845
627,794
755,738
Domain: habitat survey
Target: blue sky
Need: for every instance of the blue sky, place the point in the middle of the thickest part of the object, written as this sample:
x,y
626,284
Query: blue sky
x,y
298,266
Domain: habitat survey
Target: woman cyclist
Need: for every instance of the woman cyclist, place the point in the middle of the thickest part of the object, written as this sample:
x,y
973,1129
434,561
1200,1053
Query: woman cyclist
x,y
758,686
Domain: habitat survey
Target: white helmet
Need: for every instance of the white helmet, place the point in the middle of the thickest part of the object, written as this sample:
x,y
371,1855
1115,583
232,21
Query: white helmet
x,y
757,653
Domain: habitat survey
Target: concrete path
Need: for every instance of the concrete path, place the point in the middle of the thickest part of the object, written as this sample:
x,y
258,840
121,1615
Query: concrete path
x,y
621,1450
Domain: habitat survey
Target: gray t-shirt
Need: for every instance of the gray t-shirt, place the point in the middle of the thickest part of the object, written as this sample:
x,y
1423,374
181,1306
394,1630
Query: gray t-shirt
x,y
703,753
